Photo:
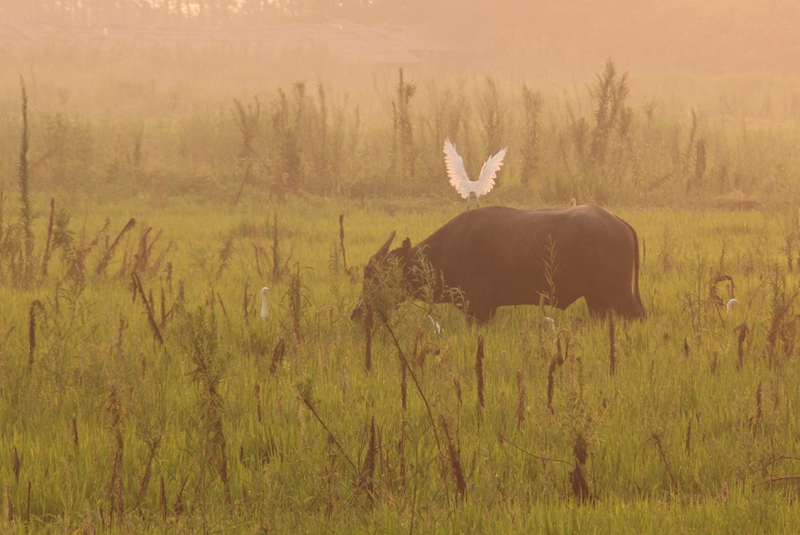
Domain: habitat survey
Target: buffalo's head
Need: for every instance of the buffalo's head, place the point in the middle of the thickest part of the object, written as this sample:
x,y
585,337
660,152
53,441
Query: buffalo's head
x,y
383,278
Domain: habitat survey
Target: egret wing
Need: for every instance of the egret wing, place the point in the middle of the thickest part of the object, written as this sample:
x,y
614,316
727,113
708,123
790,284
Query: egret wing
x,y
489,171
455,170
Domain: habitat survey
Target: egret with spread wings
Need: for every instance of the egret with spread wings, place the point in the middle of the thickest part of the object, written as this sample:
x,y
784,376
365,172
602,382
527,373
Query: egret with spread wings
x,y
458,175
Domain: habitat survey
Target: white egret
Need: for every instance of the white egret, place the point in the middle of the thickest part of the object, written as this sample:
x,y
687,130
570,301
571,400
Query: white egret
x,y
264,309
732,303
549,323
458,175
436,325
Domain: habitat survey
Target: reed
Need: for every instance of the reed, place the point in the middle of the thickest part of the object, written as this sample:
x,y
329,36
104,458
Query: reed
x,y
366,482
26,209
612,344
479,377
519,415
115,486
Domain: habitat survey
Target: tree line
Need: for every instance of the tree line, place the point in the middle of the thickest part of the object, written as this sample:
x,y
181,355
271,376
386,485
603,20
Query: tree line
x,y
213,12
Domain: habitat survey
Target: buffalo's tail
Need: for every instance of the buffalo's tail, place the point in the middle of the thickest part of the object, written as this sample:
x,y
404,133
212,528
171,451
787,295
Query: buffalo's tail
x,y
635,266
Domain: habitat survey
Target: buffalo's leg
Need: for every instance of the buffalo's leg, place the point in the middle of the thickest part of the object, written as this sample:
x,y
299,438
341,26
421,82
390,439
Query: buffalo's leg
x,y
598,307
480,313
628,309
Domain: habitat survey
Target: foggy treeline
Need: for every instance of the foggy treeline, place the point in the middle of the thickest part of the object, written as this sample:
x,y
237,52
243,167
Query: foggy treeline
x,y
678,34
101,12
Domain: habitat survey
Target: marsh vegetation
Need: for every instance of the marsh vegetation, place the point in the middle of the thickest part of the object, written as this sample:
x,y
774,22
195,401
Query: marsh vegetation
x,y
141,390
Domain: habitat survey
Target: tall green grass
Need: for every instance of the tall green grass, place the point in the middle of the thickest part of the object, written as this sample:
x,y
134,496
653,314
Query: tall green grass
x,y
238,423
141,391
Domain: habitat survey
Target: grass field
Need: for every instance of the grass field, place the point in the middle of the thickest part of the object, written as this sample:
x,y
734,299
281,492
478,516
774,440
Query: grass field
x,y
141,391
106,426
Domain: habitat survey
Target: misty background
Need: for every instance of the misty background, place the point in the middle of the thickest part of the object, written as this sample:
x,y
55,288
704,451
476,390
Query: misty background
x,y
531,36
613,102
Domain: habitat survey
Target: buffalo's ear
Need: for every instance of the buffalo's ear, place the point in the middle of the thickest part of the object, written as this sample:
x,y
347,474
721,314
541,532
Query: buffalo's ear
x,y
402,251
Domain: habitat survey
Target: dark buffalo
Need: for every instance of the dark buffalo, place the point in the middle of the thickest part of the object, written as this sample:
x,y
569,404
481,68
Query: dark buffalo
x,y
501,256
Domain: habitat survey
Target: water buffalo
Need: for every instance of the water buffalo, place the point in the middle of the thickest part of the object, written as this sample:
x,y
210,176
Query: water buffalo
x,y
500,256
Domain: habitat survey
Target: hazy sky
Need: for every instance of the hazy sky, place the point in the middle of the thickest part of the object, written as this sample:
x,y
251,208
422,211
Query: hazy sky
x,y
649,35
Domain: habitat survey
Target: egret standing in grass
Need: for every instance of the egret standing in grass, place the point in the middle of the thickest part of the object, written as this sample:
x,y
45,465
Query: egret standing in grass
x,y
458,175
264,309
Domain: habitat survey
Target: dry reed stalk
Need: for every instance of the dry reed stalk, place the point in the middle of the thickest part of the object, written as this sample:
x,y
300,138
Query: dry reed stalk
x,y
123,269
305,398
277,356
520,414
26,212
457,386
162,499
150,249
28,505
222,462
689,438
140,259
405,362
148,306
35,306
341,242
755,421
16,465
742,331
101,267
123,324
504,440
257,394
401,453
246,303
368,321
152,446
75,440
401,445
366,476
164,252
163,323
403,387
479,373
46,255
168,269
178,508
8,334
686,349
222,306
644,253
580,488
454,459
557,360
114,491
612,344
663,454
712,288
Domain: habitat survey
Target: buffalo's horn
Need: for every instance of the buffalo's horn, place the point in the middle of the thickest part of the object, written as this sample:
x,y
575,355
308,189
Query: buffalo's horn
x,y
385,247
